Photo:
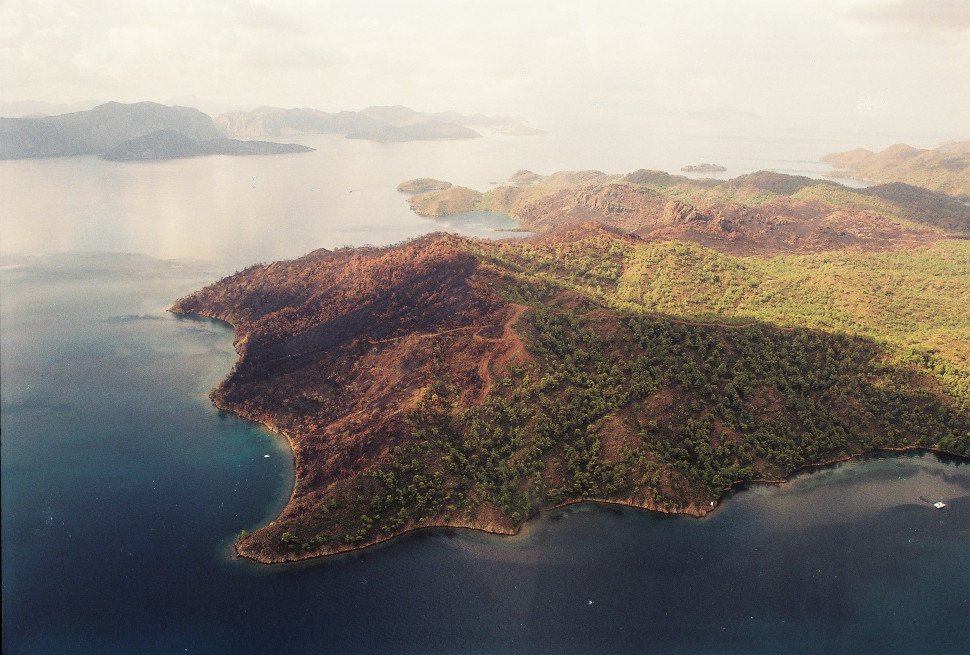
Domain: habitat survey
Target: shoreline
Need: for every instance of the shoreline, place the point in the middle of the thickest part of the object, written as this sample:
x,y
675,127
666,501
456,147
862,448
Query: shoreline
x,y
733,488
692,511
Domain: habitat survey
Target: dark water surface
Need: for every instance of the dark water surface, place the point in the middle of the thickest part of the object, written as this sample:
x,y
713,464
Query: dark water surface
x,y
122,487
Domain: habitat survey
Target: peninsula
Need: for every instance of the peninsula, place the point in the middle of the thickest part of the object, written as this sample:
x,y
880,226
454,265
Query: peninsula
x,y
945,169
632,352
755,214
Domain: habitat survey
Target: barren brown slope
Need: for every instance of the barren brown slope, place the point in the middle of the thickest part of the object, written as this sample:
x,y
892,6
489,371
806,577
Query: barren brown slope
x,y
454,382
337,347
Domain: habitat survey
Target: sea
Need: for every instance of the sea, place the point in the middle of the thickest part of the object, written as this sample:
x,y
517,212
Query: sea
x,y
123,487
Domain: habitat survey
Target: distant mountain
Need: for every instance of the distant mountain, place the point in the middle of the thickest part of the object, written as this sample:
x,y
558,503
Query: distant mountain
x,y
23,138
111,126
277,122
945,169
426,131
33,108
170,144
386,124
98,130
206,105
517,130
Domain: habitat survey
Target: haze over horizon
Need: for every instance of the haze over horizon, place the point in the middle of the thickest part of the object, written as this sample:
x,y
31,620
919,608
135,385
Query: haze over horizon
x,y
854,66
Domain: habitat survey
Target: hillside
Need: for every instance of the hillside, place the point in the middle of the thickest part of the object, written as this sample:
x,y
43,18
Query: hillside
x,y
445,202
760,213
386,124
945,169
446,381
169,144
143,130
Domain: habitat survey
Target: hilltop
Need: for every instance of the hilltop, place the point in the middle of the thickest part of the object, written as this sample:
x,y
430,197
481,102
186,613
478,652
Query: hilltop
x,y
759,213
945,169
448,381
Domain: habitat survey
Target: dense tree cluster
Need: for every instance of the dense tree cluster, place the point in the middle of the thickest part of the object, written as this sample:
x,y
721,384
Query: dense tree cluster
x,y
752,402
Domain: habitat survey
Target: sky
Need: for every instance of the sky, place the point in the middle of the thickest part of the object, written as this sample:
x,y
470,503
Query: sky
x,y
870,66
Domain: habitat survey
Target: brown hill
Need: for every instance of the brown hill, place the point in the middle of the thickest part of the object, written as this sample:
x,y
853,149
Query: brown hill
x,y
454,382
422,185
945,169
758,214
452,200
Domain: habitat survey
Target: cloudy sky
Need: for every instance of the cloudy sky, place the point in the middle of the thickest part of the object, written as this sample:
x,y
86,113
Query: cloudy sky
x,y
864,65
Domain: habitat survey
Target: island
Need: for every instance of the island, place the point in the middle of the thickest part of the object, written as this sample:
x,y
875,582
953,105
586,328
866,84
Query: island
x,y
126,132
148,130
945,169
703,168
446,202
170,144
632,351
756,214
422,185
384,124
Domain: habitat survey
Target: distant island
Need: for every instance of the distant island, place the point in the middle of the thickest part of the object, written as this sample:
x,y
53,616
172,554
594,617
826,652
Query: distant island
x,y
422,185
171,144
453,200
126,132
703,168
658,340
945,169
759,213
385,124
151,131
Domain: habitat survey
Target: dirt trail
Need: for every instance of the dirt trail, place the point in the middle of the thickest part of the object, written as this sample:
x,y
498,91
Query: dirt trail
x,y
513,344
425,335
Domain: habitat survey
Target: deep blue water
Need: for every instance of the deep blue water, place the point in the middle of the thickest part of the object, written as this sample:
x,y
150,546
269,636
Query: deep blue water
x,y
122,487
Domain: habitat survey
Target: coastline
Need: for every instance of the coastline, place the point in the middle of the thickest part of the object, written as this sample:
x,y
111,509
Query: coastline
x,y
690,510
733,488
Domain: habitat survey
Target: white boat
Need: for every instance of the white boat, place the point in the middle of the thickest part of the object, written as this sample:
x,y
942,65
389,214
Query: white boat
x,y
939,504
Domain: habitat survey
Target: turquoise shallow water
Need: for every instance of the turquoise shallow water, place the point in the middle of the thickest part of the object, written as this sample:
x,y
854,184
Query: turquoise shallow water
x,y
122,485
